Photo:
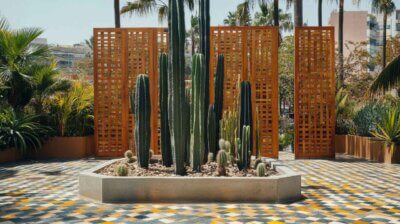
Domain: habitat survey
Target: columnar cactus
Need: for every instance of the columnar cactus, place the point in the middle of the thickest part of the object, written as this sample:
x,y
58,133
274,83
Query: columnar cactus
x,y
258,137
197,143
176,83
219,91
142,111
222,161
245,108
187,109
166,151
261,170
228,128
204,23
244,149
212,130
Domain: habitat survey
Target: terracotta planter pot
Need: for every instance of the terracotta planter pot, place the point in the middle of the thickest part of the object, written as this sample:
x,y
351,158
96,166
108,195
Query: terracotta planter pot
x,y
351,144
66,148
341,143
390,158
374,150
10,155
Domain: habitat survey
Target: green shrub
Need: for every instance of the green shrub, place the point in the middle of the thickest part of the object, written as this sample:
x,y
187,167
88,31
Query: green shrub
x,y
285,140
345,127
367,118
22,132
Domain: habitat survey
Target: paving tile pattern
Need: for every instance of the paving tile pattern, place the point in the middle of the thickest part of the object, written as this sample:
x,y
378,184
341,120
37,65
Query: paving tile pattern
x,y
340,191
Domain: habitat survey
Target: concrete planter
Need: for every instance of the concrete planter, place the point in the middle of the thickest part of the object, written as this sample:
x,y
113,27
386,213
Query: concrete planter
x,y
66,148
285,187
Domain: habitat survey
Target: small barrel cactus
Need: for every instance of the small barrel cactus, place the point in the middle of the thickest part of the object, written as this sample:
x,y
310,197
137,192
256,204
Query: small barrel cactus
x,y
222,161
151,153
122,170
129,156
228,146
256,162
210,157
221,144
260,170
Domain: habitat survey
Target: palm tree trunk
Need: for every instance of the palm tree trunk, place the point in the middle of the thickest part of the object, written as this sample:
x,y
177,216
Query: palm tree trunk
x,y
341,23
117,14
276,13
384,41
298,13
319,12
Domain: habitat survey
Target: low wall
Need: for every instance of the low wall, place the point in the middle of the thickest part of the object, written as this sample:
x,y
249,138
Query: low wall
x,y
368,148
55,148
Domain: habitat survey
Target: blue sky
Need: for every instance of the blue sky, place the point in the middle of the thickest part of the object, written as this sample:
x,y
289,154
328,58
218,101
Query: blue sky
x,y
72,21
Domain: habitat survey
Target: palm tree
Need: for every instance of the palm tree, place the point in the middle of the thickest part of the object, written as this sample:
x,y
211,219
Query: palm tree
x,y
117,14
298,11
145,7
194,32
46,84
276,13
386,7
266,18
388,79
17,55
231,19
319,12
243,13
90,42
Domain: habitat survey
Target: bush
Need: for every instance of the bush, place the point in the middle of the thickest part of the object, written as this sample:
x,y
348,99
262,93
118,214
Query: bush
x,y
345,127
367,118
22,132
285,140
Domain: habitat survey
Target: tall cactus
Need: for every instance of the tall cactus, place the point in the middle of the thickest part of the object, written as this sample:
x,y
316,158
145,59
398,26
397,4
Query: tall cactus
x,y
197,142
244,149
204,23
219,90
176,83
166,151
212,130
142,112
187,109
245,108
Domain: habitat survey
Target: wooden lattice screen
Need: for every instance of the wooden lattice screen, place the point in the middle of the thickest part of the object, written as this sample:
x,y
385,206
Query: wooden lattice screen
x,y
314,92
251,53
119,56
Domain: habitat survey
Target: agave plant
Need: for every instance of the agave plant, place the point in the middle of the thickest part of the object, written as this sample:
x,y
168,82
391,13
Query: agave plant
x,y
389,128
21,131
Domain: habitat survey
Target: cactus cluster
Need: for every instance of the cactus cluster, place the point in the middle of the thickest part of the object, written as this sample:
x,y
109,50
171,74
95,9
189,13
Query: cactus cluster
x,y
166,151
222,161
228,128
121,170
176,83
245,108
197,143
258,137
244,153
129,156
142,111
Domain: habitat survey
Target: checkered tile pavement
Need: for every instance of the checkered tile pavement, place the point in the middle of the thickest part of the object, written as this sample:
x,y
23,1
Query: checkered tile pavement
x,y
340,191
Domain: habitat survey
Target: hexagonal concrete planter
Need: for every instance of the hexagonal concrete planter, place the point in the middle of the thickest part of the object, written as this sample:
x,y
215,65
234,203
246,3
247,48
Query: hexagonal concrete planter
x,y
281,188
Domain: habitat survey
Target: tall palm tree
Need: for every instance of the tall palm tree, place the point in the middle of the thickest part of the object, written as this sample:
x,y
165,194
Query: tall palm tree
x,y
243,13
388,79
386,7
319,12
194,32
17,55
145,7
231,19
276,13
266,18
298,11
117,14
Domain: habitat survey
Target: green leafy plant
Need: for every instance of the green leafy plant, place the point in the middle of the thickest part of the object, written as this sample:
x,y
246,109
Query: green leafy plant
x,y
367,118
22,132
345,127
388,129
285,140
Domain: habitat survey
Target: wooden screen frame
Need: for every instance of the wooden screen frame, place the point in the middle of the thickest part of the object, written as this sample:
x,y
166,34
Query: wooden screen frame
x,y
319,146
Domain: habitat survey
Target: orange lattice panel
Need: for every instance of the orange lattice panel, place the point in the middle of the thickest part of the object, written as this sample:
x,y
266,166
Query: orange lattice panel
x,y
251,53
119,56
314,92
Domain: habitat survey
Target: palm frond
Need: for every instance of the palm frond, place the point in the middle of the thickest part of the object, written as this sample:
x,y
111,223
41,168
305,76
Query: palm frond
x,y
388,79
139,7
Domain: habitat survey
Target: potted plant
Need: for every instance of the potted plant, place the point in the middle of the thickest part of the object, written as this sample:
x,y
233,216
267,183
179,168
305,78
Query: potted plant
x,y
388,130
72,116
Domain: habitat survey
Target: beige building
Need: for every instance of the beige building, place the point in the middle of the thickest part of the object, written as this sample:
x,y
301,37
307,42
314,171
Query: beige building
x,y
355,27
